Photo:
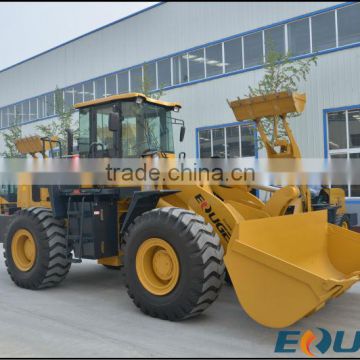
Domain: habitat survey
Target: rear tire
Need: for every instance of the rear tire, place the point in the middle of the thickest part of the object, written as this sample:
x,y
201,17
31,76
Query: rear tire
x,y
199,256
51,261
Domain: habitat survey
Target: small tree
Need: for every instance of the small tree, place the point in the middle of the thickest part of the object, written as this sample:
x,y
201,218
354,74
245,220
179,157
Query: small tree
x,y
281,74
146,86
10,136
65,121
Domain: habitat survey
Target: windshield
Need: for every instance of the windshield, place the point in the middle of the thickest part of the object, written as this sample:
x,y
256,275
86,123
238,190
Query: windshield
x,y
142,127
145,128
8,189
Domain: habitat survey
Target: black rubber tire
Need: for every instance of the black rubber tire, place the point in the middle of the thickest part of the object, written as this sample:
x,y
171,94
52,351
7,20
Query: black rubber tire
x,y
341,219
52,262
200,255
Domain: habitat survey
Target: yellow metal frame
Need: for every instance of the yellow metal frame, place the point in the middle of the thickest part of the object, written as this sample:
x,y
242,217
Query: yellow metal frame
x,y
111,261
276,105
23,250
157,266
33,145
129,96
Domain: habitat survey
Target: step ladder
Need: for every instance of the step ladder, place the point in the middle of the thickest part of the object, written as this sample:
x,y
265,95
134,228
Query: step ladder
x,y
76,212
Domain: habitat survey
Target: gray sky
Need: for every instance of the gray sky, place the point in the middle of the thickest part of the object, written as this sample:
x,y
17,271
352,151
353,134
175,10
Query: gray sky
x,y
28,28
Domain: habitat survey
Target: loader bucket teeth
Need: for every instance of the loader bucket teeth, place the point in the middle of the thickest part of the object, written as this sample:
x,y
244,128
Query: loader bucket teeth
x,y
285,268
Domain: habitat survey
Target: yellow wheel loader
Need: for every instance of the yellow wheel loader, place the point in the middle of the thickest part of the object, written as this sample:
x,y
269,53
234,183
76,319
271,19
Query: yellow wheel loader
x,y
175,241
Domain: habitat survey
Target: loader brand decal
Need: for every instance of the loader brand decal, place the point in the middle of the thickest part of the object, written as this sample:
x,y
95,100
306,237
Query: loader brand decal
x,y
289,341
206,207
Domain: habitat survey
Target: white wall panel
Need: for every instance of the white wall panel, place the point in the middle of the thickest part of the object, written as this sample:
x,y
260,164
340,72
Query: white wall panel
x,y
171,27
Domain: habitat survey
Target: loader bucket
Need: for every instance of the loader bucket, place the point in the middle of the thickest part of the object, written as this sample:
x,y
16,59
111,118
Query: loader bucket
x,y
285,268
268,105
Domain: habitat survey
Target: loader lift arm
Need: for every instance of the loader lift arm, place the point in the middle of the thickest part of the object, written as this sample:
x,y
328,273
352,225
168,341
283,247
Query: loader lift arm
x,y
276,106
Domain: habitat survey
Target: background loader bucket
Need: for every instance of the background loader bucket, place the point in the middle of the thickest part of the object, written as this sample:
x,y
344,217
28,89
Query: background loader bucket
x,y
267,105
285,268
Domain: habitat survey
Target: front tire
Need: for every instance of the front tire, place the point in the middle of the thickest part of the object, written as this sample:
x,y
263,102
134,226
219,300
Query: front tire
x,y
173,264
35,249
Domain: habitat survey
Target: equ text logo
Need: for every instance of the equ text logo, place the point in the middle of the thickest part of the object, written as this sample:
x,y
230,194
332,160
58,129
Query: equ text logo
x,y
289,341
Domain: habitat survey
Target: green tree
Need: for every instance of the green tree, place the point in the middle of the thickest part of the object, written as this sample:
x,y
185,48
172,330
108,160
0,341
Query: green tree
x,y
146,86
10,136
65,121
281,74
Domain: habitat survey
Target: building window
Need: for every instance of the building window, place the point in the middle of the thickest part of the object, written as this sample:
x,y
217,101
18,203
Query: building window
x,y
180,69
253,49
12,115
354,128
205,143
18,115
275,40
123,82
337,130
218,143
349,24
233,55
323,31
150,76
344,140
136,79
78,94
299,37
196,64
247,140
89,91
33,115
232,141
354,189
214,61
4,118
68,98
164,73
41,107
50,104
100,88
25,111
110,82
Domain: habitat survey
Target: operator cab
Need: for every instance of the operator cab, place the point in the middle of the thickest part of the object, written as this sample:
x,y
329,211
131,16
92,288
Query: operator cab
x,y
126,126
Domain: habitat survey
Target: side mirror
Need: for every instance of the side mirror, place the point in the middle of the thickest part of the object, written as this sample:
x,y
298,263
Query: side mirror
x,y
182,133
114,122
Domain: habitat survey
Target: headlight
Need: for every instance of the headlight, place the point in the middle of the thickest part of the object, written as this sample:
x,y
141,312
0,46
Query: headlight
x,y
139,100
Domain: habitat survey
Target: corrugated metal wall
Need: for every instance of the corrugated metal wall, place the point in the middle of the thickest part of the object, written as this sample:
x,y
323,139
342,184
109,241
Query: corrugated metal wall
x,y
334,82
158,32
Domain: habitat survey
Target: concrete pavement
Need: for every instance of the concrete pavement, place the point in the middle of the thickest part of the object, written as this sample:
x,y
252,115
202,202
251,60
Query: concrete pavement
x,y
91,315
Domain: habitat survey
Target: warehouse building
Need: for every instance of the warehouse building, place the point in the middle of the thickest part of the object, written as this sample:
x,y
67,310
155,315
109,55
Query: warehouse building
x,y
202,54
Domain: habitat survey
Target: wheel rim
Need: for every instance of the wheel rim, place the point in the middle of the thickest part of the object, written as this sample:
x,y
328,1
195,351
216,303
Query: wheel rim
x,y
345,225
157,266
23,250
